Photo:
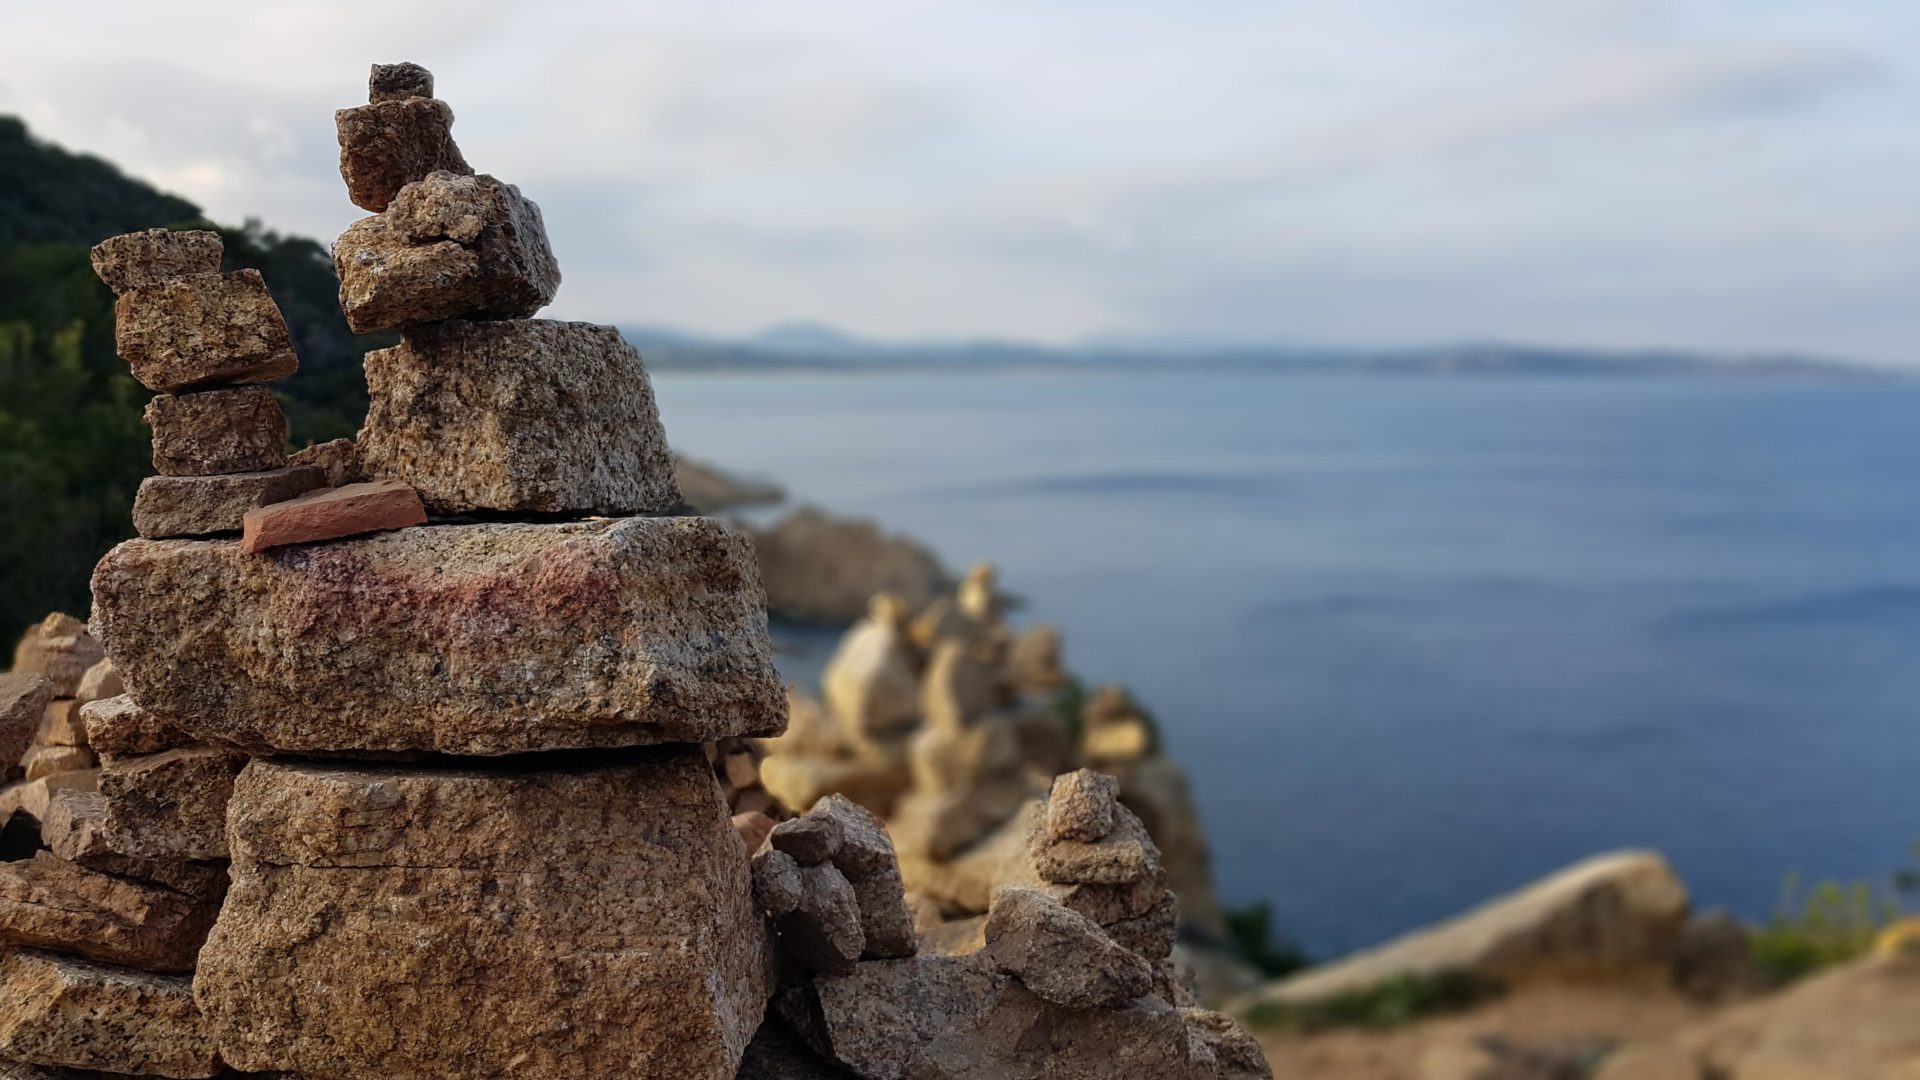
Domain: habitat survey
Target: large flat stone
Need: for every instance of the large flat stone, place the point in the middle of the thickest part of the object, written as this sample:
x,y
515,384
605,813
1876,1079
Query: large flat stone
x,y
448,247
150,256
201,330
63,1012
48,903
470,639
524,415
530,919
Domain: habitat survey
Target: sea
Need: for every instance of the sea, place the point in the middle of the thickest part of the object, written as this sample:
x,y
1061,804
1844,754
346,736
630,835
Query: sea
x,y
1420,640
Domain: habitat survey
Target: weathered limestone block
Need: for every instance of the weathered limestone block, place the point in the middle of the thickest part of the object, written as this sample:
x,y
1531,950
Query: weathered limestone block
x,y
934,1017
48,903
588,917
34,796
116,725
182,506
203,329
24,696
61,1011
518,415
171,805
151,256
448,247
217,431
1059,954
469,639
60,724
75,829
331,513
386,145
60,649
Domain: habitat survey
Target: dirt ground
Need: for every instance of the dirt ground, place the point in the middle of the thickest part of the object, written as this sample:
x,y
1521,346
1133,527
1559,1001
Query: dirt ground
x,y
1543,1031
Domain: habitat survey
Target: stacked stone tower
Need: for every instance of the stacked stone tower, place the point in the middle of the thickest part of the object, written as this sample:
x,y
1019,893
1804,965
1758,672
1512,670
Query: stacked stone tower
x,y
477,835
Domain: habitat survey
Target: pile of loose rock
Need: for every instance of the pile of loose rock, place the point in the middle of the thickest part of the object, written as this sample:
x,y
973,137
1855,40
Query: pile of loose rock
x,y
446,799
945,722
57,669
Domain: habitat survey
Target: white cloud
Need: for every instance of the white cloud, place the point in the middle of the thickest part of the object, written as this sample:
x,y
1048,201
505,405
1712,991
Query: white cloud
x,y
1709,172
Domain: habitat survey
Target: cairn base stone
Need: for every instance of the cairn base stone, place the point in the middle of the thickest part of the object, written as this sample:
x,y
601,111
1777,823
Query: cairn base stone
x,y
464,639
203,329
529,918
519,415
68,1013
181,506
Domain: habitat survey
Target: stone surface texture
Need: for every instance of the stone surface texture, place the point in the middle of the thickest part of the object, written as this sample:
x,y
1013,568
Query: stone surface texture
x,y
170,805
524,415
116,725
330,514
397,82
470,639
48,903
217,431
338,458
1081,806
151,256
167,507
1061,955
61,1011
388,144
448,247
202,330
540,918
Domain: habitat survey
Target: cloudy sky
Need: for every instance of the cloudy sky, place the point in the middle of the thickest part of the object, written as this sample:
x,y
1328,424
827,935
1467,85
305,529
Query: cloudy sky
x,y
1727,174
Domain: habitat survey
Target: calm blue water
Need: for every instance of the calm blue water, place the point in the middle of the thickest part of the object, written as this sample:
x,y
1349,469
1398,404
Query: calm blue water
x,y
1422,640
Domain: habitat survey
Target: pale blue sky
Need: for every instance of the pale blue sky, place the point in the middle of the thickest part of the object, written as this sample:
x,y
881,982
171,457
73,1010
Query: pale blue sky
x,y
1698,173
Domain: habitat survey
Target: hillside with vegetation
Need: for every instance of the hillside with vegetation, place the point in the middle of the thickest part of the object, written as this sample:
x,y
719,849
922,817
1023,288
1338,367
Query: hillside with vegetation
x,y
72,444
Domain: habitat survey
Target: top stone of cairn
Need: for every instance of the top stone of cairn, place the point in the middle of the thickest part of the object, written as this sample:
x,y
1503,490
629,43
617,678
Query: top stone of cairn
x,y
398,82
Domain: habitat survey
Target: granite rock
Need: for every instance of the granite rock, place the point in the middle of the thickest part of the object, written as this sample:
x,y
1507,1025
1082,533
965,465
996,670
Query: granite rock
x,y
48,903
1123,855
188,506
814,838
330,514
65,1012
448,247
116,725
885,922
397,82
1153,934
40,760
170,805
1237,1055
823,931
471,639
515,918
777,885
395,141
217,431
520,415
338,458
1059,954
870,682
151,256
35,796
60,724
202,330
1081,806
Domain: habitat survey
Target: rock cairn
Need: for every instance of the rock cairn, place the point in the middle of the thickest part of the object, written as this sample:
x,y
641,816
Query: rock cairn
x,y
1065,978
450,799
205,342
57,669
949,724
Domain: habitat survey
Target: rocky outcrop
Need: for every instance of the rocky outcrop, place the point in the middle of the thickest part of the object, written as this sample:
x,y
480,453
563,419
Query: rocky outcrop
x,y
533,918
1609,914
824,569
464,639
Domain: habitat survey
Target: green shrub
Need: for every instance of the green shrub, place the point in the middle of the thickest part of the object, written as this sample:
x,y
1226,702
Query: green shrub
x,y
1400,1000
1250,933
1830,924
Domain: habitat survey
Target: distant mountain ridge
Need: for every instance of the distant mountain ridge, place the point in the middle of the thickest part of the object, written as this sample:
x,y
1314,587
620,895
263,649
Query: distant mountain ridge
x,y
794,346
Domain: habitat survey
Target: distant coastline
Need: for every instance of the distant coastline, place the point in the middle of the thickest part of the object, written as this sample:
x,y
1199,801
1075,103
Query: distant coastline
x,y
825,350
